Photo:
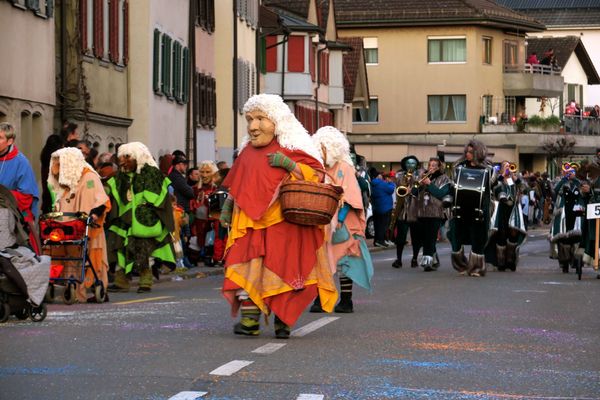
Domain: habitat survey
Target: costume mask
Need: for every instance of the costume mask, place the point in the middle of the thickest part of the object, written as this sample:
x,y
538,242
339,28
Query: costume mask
x,y
206,174
411,164
260,128
127,164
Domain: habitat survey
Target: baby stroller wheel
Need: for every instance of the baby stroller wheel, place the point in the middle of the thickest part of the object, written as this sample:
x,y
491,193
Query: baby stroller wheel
x,y
49,296
100,292
38,314
23,313
69,296
4,312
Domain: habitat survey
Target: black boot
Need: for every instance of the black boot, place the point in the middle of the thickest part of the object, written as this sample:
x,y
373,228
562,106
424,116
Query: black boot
x,y
398,262
316,306
345,304
282,331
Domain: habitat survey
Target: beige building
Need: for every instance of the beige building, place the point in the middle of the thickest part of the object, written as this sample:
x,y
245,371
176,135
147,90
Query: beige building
x,y
27,80
93,70
437,80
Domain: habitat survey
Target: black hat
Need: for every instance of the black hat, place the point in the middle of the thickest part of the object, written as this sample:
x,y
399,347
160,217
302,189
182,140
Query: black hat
x,y
179,160
405,159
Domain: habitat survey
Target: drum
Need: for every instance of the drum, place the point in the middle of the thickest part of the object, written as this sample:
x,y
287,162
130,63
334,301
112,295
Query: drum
x,y
471,189
215,203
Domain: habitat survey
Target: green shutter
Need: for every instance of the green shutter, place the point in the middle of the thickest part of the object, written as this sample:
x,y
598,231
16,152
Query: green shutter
x,y
166,65
156,62
49,8
175,71
185,90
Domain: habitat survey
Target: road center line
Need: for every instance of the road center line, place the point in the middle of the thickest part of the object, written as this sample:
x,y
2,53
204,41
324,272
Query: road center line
x,y
268,348
306,396
530,291
230,368
144,300
313,326
188,395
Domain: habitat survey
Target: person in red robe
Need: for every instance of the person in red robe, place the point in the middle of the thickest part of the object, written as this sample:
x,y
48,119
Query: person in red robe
x,y
272,265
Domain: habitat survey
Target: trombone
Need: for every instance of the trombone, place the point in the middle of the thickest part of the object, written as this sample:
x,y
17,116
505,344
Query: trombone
x,y
403,191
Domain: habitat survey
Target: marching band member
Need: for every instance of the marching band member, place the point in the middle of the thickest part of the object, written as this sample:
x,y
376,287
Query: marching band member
x,y
434,186
565,231
472,227
405,213
508,227
346,245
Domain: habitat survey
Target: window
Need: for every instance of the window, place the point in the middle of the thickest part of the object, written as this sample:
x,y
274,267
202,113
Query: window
x,y
370,114
206,101
104,29
205,15
447,50
511,53
371,51
447,108
324,68
296,53
487,50
170,67
486,106
41,8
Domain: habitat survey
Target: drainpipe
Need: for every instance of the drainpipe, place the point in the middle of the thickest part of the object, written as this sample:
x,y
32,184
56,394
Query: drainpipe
x,y
63,58
190,114
318,86
235,77
283,50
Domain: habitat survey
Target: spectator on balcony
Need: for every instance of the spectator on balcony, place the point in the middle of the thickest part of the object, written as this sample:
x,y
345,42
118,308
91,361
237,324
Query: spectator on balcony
x,y
548,57
595,112
532,59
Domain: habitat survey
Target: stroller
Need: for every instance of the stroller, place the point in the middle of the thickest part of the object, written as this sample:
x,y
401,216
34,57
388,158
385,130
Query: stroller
x,y
65,237
23,274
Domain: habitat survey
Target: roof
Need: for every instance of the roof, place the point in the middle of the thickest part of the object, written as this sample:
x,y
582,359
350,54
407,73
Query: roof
x,y
563,49
298,7
385,13
548,4
351,65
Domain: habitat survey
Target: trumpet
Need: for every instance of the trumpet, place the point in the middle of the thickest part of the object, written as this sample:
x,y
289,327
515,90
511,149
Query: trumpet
x,y
403,191
570,166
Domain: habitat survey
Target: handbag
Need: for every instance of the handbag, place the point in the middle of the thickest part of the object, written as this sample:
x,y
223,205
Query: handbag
x,y
340,235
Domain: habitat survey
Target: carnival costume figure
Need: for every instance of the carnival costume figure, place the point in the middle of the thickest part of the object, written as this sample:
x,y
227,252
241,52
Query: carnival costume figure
x,y
141,220
470,222
202,219
404,215
508,227
434,186
18,177
346,246
590,191
566,228
76,187
272,265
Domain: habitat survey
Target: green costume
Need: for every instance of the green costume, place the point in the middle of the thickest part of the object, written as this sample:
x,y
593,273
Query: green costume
x,y
141,220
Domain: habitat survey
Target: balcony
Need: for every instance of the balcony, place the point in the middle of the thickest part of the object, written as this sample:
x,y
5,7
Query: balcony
x,y
532,80
579,125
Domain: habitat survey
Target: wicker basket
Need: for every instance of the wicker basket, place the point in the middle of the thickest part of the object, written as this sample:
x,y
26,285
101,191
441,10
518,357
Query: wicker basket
x,y
309,203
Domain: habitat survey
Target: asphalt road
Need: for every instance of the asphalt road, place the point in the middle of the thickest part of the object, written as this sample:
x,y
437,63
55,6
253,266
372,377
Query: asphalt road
x,y
529,334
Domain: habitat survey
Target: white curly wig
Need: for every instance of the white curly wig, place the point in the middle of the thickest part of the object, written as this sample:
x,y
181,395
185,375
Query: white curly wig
x,y
336,144
289,131
71,168
139,152
210,164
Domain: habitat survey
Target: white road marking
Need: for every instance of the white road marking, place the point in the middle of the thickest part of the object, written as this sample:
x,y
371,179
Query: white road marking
x,y
268,348
530,291
230,368
557,283
313,326
305,396
188,395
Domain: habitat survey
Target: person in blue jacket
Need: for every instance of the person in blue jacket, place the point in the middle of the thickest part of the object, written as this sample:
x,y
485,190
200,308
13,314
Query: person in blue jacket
x,y
382,203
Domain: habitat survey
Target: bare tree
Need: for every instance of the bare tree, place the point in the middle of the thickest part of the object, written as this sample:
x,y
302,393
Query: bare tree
x,y
557,148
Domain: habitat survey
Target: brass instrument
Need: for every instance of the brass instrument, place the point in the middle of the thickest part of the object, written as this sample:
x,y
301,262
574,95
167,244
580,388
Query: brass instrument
x,y
401,192
567,166
512,167
404,190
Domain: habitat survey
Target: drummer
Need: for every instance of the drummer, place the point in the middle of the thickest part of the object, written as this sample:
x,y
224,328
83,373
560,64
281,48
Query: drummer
x,y
472,227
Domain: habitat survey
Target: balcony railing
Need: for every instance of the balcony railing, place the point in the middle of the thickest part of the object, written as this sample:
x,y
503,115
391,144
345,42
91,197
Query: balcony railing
x,y
532,69
579,125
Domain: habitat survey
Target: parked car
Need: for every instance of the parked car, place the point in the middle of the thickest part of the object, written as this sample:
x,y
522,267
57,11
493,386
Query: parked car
x,y
370,230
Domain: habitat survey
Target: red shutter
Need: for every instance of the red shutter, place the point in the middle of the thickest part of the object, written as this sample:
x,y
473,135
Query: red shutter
x,y
125,32
83,12
113,29
98,29
327,69
324,72
271,56
296,54
311,62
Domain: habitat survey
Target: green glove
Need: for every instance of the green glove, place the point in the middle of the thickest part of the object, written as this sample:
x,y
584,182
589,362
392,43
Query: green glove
x,y
281,161
226,212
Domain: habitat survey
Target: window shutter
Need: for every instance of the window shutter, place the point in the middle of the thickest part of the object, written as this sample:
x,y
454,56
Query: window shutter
x,y
311,62
33,5
271,54
196,98
210,4
296,54
83,13
126,32
163,63
186,75
98,29
168,63
113,29
205,100
214,102
156,62
50,8
175,71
